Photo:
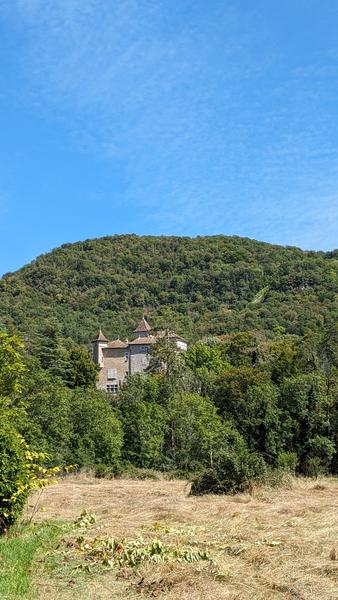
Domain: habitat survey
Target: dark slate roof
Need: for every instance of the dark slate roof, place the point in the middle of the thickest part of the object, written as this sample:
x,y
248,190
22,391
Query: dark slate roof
x,y
142,326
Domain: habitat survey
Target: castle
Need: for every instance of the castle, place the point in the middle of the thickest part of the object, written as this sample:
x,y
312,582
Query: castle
x,y
117,359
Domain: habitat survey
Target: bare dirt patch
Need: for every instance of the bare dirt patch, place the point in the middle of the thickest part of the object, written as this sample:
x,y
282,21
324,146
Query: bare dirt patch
x,y
272,544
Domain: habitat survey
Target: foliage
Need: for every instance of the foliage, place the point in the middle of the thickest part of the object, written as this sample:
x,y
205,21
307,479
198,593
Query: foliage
x,y
12,368
176,375
20,467
197,286
288,461
228,406
235,470
49,348
320,454
194,431
82,372
121,553
249,399
14,475
206,362
144,425
72,426
131,553
49,406
96,430
21,470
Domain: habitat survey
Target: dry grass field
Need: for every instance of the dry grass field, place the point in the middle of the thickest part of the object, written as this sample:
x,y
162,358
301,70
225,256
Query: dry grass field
x,y
279,543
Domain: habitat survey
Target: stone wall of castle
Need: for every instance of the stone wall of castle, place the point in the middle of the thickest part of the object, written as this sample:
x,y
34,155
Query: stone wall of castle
x,y
139,358
117,360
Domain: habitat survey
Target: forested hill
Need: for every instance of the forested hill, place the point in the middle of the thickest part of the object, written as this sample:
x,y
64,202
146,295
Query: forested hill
x,y
198,286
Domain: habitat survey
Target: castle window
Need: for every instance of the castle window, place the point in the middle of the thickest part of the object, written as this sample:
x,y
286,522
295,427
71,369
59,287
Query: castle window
x,y
112,374
144,348
126,355
112,388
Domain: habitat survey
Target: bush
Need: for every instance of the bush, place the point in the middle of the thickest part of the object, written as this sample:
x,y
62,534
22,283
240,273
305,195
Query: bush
x,y
235,471
14,475
278,478
288,461
320,453
102,471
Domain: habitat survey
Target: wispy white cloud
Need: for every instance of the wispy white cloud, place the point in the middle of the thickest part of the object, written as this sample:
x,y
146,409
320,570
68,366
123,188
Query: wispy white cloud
x,y
187,103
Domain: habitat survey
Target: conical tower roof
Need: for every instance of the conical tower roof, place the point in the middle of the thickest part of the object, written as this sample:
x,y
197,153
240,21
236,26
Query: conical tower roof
x,y
142,327
100,337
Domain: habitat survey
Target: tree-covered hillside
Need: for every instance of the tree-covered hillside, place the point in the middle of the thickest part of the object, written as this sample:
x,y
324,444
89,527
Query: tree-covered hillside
x,y
198,286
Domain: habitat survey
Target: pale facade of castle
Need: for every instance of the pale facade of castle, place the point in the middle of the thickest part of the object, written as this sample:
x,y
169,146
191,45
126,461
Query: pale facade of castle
x,y
117,359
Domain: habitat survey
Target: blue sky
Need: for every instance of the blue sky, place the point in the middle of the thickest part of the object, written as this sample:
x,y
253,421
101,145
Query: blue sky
x,y
161,117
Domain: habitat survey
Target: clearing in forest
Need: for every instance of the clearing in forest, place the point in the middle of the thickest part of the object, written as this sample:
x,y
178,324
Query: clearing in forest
x,y
272,544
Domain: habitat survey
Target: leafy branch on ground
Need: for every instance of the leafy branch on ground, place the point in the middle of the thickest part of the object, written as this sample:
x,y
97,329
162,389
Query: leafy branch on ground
x,y
119,553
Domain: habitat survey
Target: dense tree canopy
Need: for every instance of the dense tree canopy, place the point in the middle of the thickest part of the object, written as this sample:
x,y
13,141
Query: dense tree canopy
x,y
198,287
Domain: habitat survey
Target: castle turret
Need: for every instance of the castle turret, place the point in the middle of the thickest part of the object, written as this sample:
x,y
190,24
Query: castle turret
x,y
98,344
143,329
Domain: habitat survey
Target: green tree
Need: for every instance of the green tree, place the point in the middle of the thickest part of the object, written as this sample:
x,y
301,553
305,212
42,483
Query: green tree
x,y
319,456
97,434
19,467
12,368
81,370
202,355
283,359
177,375
234,469
232,388
260,422
144,426
241,349
14,474
50,350
206,362
304,414
194,431
249,400
49,407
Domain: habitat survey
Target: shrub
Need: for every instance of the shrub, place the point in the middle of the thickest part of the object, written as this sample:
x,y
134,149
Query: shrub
x,y
132,472
320,453
235,471
278,478
14,475
102,471
288,461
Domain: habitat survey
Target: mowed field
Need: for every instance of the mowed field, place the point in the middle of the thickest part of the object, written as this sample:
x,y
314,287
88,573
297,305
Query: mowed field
x,y
279,543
